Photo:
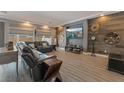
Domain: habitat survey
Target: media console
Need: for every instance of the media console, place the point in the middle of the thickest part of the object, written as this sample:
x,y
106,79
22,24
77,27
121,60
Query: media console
x,y
116,63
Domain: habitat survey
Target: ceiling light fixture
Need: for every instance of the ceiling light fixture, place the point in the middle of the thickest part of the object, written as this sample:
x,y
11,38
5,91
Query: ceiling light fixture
x,y
101,14
27,23
60,28
45,27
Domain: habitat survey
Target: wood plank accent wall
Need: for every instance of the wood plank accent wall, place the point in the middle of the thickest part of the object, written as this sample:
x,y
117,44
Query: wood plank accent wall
x,y
108,23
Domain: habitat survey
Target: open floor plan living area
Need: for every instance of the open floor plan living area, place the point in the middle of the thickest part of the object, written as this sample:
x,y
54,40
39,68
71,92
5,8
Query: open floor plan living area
x,y
61,46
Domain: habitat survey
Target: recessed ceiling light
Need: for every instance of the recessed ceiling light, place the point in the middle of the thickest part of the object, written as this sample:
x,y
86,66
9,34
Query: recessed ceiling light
x,y
27,23
60,27
45,27
101,14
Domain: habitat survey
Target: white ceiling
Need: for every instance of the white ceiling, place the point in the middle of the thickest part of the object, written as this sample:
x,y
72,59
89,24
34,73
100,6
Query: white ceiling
x,y
51,18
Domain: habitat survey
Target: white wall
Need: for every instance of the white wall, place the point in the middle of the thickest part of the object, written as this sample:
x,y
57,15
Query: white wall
x,y
85,37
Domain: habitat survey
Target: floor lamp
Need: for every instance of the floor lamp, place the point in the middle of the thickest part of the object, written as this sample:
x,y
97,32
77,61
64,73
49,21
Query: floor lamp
x,y
93,38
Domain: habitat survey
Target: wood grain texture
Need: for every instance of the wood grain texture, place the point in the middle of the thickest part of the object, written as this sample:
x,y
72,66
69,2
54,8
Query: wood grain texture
x,y
85,68
109,23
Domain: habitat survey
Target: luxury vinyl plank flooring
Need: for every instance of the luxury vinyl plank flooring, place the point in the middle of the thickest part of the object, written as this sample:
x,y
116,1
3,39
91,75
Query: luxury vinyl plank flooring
x,y
86,68
75,68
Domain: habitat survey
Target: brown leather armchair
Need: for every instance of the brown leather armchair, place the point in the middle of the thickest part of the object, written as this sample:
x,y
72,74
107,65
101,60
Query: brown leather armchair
x,y
46,69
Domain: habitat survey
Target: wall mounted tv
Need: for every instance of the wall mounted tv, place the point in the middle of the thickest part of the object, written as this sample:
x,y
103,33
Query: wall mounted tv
x,y
74,33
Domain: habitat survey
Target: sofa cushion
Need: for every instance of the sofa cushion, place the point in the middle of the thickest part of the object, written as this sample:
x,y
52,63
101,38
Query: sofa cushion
x,y
45,45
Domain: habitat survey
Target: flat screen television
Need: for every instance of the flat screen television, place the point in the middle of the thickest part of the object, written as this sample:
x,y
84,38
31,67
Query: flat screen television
x,y
74,33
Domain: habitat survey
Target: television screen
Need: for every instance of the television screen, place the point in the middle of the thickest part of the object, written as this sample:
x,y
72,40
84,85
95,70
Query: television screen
x,y
74,33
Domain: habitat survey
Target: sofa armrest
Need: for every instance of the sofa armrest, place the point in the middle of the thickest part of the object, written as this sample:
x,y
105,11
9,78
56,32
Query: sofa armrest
x,y
49,57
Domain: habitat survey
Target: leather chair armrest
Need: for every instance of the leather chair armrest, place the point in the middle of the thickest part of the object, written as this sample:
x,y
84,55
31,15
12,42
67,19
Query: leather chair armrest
x,y
49,57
